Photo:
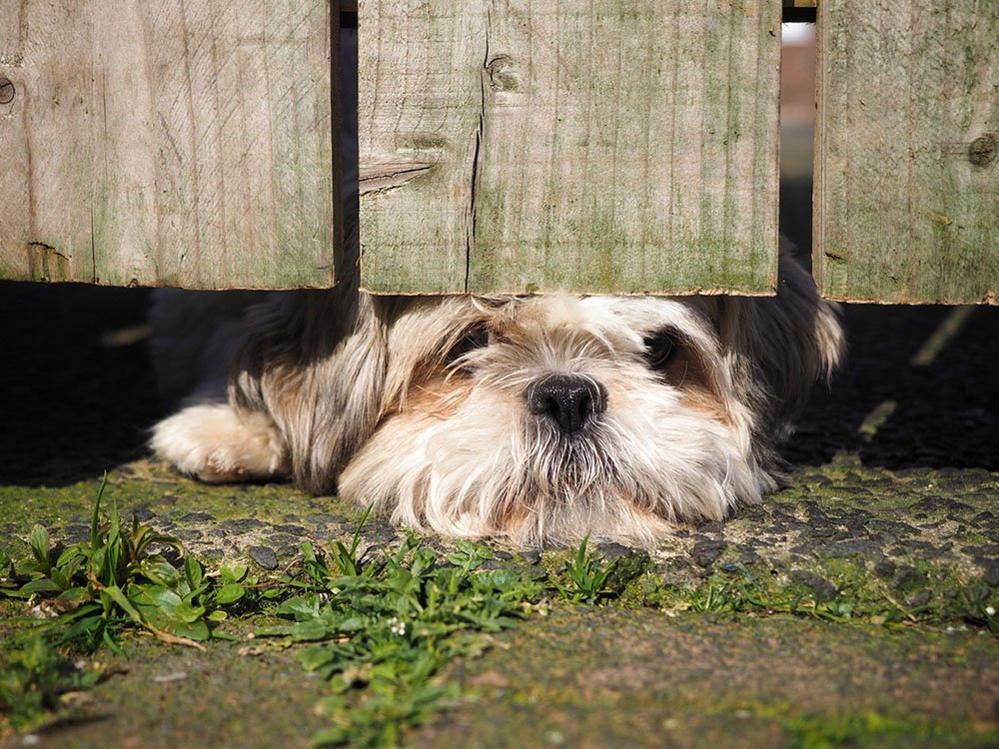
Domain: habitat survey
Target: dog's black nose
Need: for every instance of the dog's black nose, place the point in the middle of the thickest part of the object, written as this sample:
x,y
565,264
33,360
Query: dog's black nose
x,y
568,400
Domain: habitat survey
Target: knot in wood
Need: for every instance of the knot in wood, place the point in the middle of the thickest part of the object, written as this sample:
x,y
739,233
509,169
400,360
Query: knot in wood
x,y
7,91
500,77
982,150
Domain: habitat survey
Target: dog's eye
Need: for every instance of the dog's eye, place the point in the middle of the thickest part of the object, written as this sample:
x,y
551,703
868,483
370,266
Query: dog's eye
x,y
660,348
473,338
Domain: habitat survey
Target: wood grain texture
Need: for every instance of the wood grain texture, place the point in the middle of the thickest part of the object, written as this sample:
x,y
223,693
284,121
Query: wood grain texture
x,y
178,142
624,146
907,151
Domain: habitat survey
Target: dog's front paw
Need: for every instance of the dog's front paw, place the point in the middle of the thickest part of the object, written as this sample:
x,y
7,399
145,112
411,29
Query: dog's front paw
x,y
216,444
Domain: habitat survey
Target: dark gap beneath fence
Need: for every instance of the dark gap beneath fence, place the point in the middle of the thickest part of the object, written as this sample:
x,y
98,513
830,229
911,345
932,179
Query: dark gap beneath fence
x,y
77,392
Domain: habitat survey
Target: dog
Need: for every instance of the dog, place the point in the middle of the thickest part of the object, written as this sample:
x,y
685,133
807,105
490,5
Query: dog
x,y
533,420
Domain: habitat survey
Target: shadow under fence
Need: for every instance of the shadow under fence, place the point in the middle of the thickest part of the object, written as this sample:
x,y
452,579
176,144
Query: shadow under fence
x,y
77,393
919,389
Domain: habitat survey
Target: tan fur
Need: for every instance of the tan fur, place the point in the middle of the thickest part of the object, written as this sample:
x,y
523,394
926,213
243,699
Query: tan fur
x,y
340,390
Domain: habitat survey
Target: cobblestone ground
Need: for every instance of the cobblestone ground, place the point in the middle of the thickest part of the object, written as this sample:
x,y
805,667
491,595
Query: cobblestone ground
x,y
890,508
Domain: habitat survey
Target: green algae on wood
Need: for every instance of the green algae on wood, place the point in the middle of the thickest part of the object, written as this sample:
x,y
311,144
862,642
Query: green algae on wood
x,y
148,148
627,146
906,152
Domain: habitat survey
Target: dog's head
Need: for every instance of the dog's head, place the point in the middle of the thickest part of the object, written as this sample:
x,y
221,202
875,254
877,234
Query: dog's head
x,y
542,419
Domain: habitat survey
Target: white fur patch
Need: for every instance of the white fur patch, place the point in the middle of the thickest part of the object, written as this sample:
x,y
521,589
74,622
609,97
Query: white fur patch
x,y
216,444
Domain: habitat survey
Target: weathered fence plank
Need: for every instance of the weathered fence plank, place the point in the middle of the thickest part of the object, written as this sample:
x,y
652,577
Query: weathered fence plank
x,y
602,146
907,178
168,143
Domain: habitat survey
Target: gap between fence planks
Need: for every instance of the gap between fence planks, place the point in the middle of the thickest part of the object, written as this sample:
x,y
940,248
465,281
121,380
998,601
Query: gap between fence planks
x,y
168,143
624,146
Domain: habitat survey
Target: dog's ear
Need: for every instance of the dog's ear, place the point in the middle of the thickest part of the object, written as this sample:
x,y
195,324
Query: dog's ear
x,y
780,346
315,362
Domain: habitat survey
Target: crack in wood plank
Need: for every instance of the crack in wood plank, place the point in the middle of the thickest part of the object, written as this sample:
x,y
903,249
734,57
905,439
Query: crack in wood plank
x,y
389,176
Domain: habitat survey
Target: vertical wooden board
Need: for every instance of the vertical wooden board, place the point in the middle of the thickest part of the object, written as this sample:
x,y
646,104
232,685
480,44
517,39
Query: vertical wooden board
x,y
907,151
195,148
420,66
623,146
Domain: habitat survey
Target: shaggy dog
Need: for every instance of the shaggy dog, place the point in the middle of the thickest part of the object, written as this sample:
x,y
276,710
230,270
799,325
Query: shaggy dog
x,y
535,419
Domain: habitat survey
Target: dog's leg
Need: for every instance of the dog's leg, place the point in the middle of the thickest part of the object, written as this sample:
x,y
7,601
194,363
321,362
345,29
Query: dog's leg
x,y
217,444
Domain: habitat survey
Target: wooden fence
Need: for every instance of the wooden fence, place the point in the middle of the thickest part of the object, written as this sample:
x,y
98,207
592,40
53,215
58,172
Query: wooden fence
x,y
625,146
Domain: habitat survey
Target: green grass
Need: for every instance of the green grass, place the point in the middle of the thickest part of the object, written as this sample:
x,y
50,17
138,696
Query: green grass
x,y
34,678
587,577
124,575
379,625
386,625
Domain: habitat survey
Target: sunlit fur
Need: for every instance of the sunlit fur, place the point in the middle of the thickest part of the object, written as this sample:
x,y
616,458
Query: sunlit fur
x,y
341,390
